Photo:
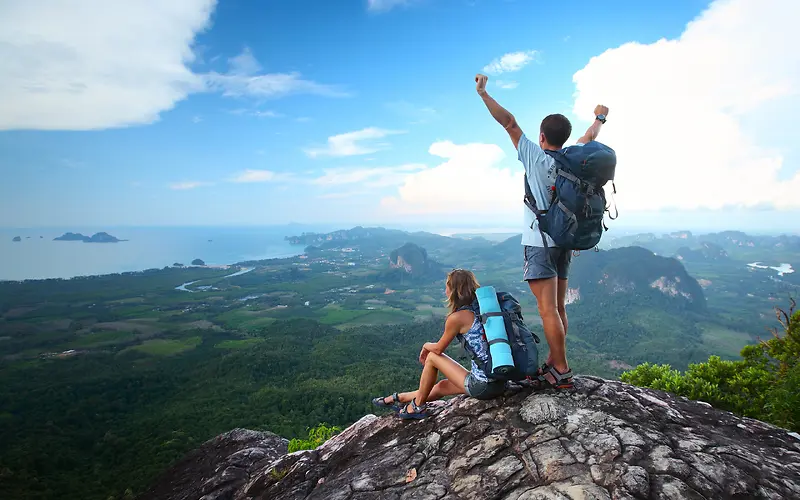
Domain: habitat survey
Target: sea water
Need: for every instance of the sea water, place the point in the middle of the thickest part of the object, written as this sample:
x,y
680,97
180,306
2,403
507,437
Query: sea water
x,y
37,256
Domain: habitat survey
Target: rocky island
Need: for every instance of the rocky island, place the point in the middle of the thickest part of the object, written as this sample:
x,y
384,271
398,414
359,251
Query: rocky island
x,y
16,239
604,440
101,237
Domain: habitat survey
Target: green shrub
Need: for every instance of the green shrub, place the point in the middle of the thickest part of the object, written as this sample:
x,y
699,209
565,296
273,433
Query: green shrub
x,y
316,436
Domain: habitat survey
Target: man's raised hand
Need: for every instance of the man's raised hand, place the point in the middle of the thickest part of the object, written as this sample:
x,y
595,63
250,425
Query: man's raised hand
x,y
480,83
600,110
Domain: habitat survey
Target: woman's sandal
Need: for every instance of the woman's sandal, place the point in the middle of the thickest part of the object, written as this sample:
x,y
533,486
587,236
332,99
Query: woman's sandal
x,y
562,380
418,413
380,402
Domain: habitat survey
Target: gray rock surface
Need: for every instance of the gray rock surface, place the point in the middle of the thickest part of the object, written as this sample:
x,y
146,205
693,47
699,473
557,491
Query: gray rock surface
x,y
604,440
220,467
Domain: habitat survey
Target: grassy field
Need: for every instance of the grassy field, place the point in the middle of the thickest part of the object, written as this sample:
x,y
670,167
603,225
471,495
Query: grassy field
x,y
379,317
98,339
239,344
167,347
724,341
335,315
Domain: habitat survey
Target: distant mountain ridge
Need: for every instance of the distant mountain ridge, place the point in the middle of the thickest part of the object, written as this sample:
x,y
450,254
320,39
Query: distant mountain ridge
x,y
733,243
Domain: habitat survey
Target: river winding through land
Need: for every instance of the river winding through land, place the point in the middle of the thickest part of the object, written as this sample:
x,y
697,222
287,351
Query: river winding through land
x,y
184,286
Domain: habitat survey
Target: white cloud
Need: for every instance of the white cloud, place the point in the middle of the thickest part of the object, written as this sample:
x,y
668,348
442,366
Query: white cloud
x,y
508,63
254,176
267,114
257,113
243,80
385,5
373,177
679,110
360,142
96,64
470,181
186,185
244,64
507,84
196,119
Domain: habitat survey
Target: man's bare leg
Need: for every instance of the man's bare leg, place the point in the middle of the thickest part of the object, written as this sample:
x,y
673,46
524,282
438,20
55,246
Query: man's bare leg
x,y
546,293
562,311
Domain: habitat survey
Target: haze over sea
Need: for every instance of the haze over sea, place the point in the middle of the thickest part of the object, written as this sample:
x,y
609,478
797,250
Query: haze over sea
x,y
147,248
37,256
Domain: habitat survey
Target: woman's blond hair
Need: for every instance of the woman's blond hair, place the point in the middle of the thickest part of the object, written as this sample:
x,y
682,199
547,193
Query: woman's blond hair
x,y
462,284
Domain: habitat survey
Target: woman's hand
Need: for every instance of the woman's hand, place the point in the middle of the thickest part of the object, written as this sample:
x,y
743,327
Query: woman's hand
x,y
423,355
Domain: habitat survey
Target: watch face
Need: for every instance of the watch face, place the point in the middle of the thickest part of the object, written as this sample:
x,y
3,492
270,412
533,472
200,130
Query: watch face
x,y
601,117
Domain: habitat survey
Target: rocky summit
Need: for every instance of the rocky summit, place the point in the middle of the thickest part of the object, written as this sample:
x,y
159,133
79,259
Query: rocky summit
x,y
602,440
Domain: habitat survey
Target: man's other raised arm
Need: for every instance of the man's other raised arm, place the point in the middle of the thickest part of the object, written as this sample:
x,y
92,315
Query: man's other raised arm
x,y
594,130
499,113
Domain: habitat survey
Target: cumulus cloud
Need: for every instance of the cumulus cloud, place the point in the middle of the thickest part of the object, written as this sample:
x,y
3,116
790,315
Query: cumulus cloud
x,y
186,185
373,177
96,64
679,110
470,180
509,63
360,142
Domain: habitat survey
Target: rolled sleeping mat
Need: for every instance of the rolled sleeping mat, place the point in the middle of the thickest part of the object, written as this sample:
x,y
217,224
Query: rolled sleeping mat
x,y
499,348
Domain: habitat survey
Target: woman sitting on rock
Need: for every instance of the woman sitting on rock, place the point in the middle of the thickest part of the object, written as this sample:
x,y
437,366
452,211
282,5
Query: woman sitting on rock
x,y
461,323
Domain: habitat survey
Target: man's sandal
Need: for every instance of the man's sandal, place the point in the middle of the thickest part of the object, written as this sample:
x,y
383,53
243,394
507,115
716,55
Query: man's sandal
x,y
380,402
418,413
562,380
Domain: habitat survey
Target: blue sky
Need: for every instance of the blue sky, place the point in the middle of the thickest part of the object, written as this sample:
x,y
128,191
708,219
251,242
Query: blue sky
x,y
354,111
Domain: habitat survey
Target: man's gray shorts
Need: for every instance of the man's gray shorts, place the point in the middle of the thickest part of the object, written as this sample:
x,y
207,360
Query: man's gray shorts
x,y
538,266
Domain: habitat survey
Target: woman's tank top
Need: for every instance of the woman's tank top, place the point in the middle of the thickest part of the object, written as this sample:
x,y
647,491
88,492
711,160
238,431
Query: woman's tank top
x,y
475,338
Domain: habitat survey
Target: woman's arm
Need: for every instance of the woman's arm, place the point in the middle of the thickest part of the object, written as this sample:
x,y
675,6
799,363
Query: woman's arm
x,y
452,327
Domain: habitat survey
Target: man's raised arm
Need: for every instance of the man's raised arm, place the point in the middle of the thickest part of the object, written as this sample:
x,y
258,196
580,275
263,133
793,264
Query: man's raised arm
x,y
499,113
600,113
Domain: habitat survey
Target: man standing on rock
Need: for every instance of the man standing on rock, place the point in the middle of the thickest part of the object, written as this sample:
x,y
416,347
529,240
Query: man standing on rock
x,y
546,266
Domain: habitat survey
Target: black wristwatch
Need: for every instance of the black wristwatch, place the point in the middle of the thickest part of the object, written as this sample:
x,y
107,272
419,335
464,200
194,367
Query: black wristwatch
x,y
602,118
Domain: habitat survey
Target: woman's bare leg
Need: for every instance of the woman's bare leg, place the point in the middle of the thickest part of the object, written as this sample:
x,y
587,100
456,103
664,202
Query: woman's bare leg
x,y
434,364
443,388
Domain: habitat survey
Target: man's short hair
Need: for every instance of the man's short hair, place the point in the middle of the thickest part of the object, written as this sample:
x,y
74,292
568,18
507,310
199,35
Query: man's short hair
x,y
556,129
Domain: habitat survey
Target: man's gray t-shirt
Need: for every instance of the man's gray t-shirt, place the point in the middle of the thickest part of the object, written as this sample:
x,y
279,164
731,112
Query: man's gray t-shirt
x,y
540,168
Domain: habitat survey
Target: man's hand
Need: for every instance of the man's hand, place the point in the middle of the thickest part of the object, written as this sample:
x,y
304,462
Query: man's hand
x,y
480,83
594,128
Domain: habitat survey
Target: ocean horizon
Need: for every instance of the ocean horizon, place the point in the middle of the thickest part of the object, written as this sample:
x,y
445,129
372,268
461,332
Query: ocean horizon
x,y
38,256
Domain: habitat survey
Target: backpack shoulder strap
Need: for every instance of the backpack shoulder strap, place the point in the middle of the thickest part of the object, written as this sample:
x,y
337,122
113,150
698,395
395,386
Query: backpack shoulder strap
x,y
530,202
